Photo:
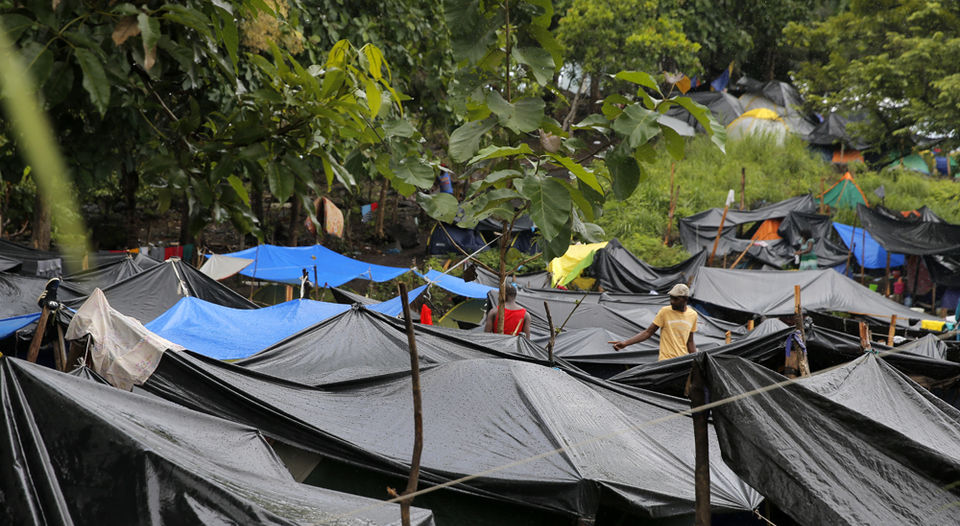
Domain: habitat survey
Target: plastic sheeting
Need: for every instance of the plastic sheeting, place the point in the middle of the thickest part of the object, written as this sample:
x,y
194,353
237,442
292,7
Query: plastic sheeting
x,y
123,351
9,326
456,285
929,346
533,280
911,236
868,252
286,264
10,265
362,344
563,267
218,266
78,452
858,445
479,415
33,262
84,282
225,333
394,306
618,270
770,293
152,292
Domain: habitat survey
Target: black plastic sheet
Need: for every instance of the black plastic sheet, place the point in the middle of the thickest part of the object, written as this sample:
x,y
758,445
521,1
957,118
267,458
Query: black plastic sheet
x,y
33,262
84,282
477,415
79,452
858,445
911,236
618,270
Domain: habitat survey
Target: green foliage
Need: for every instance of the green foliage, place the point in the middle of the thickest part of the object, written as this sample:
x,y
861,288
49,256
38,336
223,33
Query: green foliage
x,y
897,64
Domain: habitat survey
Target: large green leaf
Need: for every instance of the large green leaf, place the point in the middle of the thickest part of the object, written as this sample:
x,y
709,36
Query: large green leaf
x,y
549,204
718,134
15,25
624,172
238,187
674,141
638,124
523,116
94,79
440,206
538,60
579,199
281,180
465,140
586,176
556,246
231,37
413,172
149,30
496,152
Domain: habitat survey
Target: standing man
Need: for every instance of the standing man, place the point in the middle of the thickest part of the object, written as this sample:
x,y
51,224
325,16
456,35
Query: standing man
x,y
678,322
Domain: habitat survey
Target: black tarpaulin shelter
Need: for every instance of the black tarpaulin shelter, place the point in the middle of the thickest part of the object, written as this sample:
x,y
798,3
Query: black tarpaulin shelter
x,y
478,415
531,280
723,105
18,294
32,262
618,270
83,282
361,343
833,130
929,346
861,444
911,236
80,452
151,292
770,293
9,265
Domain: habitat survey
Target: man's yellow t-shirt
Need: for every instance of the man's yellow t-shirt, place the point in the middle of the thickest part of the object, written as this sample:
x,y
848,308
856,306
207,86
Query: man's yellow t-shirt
x,y
675,328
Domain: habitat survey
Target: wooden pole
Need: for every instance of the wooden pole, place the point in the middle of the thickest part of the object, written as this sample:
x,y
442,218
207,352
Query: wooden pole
x,y
865,337
701,447
750,324
417,410
744,252
846,266
289,293
893,330
798,310
553,333
933,299
886,278
727,338
77,350
34,349
863,256
716,241
822,191
59,349
743,187
316,282
674,193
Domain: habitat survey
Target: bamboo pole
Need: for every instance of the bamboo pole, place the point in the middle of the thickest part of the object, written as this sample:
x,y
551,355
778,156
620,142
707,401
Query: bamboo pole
x,y
750,324
745,250
727,338
701,447
863,256
417,410
865,337
59,350
893,330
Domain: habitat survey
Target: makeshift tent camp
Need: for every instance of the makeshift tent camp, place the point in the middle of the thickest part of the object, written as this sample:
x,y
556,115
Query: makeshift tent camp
x,y
911,236
832,131
770,293
286,264
868,253
115,271
724,106
363,344
79,452
845,193
913,162
225,333
445,238
760,121
858,445
32,262
618,270
150,293
516,411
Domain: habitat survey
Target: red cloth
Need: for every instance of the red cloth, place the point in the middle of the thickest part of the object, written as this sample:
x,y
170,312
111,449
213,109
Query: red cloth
x,y
512,321
171,252
426,315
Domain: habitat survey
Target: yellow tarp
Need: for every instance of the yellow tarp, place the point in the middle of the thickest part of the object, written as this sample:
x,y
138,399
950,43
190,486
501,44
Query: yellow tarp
x,y
562,267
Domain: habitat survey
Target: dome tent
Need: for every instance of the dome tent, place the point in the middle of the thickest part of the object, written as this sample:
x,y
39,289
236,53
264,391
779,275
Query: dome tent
x,y
760,121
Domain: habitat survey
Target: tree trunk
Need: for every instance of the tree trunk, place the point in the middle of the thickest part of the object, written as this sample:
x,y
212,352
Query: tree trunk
x,y
41,223
295,221
130,183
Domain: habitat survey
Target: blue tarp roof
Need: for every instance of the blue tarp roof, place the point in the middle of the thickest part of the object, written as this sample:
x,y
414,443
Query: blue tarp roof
x,y
866,248
457,285
393,306
9,326
285,264
228,334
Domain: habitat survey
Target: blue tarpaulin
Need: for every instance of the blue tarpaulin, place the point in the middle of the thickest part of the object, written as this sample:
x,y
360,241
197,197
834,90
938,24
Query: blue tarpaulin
x,y
868,252
286,264
9,326
228,334
457,285
393,306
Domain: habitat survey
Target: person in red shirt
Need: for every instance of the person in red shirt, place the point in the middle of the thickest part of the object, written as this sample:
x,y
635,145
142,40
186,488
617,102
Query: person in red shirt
x,y
516,319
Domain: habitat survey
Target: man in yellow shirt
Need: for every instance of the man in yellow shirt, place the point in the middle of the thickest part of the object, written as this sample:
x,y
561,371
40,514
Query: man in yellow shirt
x,y
677,323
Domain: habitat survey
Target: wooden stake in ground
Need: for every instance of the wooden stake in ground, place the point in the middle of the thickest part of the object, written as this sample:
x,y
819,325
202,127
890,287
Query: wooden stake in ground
x,y
893,330
673,204
795,364
743,187
34,349
865,337
701,447
886,278
417,410
723,219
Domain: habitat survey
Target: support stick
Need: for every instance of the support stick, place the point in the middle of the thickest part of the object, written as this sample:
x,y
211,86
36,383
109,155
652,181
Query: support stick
x,y
417,410
34,349
716,241
893,330
59,350
316,282
743,187
701,447
863,256
727,337
886,278
553,333
864,337
744,252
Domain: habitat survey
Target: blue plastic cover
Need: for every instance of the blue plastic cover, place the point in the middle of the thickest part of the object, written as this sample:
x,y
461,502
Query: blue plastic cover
x,y
228,334
393,306
9,326
286,264
874,255
457,285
